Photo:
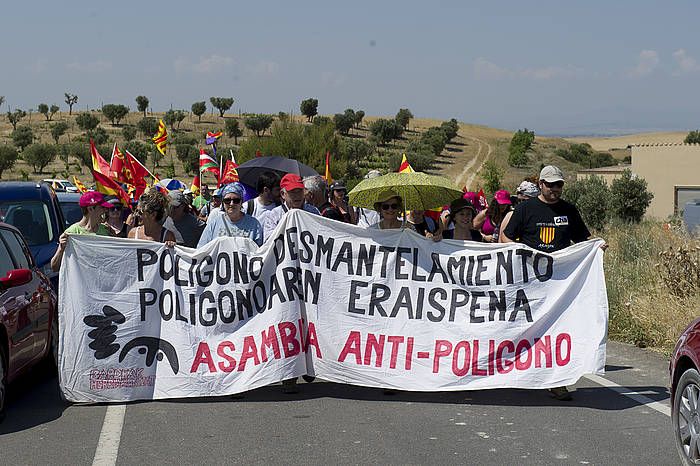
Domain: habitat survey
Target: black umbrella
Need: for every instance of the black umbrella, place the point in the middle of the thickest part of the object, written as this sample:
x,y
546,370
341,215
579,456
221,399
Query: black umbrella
x,y
249,171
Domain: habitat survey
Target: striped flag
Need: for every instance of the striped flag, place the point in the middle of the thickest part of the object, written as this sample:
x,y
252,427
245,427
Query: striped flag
x,y
98,162
79,184
208,163
405,167
161,138
107,185
213,137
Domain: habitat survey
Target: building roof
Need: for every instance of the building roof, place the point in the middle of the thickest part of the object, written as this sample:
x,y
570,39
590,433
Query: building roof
x,y
612,169
662,144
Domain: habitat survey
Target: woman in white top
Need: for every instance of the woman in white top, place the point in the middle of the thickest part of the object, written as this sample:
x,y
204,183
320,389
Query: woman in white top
x,y
152,210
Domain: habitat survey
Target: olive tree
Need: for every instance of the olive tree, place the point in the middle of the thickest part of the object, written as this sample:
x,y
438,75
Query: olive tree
x,y
222,104
199,109
39,156
71,99
142,104
8,157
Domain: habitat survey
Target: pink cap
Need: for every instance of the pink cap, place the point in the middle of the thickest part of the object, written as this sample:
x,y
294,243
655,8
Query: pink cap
x,y
502,197
93,198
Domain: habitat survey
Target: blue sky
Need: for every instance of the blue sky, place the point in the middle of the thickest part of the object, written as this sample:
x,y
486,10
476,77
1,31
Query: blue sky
x,y
557,67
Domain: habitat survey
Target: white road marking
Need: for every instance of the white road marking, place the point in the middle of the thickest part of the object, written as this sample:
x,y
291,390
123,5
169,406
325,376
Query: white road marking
x,y
108,445
636,396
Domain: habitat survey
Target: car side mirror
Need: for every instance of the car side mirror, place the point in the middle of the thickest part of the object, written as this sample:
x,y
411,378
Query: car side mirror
x,y
16,277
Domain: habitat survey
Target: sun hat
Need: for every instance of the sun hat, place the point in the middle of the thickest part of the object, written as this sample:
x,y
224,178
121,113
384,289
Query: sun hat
x,y
291,181
461,204
93,198
551,174
528,188
502,197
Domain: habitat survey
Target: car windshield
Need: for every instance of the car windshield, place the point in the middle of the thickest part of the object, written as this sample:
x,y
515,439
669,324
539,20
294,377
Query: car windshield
x,y
71,212
31,218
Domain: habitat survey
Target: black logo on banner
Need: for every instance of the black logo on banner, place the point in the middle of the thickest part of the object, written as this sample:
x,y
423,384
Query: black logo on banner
x,y
104,340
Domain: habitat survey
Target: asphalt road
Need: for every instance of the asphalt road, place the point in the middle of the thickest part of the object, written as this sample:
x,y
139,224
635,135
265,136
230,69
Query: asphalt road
x,y
337,424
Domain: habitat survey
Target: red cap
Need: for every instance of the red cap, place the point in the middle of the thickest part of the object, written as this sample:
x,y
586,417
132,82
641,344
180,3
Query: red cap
x,y
93,198
291,181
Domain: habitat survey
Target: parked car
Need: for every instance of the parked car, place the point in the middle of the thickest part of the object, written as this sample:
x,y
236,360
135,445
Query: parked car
x,y
34,210
28,311
70,207
61,185
685,394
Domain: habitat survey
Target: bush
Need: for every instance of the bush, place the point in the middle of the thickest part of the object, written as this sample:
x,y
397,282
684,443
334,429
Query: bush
x,y
323,121
344,121
99,135
630,197
403,117
492,174
385,130
436,138
189,156
519,145
129,133
583,154
8,157
693,137
233,129
592,197
22,137
39,156
450,128
58,130
87,121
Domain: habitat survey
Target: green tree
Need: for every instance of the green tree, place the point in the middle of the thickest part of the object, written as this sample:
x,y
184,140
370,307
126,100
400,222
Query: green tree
x,y
222,104
148,126
359,115
189,156
58,130
258,123
436,138
8,157
693,137
39,156
450,128
233,129
309,108
142,104
129,133
630,197
592,197
520,143
71,99
384,130
199,108
44,110
22,137
492,174
403,117
53,110
15,117
138,149
344,121
115,112
323,121
420,154
87,121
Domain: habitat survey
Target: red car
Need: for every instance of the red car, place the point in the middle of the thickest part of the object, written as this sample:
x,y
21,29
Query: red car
x,y
28,311
685,394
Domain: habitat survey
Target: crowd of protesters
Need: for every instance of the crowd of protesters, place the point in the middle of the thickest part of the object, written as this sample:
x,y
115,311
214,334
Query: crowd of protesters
x,y
535,215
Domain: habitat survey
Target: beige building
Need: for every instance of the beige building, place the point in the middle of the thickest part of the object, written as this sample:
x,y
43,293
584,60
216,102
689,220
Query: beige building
x,y
607,173
672,172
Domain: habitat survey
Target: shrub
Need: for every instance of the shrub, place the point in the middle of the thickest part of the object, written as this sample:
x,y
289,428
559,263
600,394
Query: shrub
x,y
189,156
87,121
592,197
693,137
435,138
492,174
233,129
129,133
385,130
630,197
403,117
58,130
148,126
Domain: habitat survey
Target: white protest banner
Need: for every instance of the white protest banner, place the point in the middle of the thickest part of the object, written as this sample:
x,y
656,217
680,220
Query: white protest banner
x,y
360,306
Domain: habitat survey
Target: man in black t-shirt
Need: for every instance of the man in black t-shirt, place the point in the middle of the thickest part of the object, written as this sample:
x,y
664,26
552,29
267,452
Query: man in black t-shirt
x,y
548,224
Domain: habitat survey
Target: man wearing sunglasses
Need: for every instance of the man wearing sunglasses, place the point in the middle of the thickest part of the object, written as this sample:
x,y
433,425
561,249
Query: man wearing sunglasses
x,y
548,223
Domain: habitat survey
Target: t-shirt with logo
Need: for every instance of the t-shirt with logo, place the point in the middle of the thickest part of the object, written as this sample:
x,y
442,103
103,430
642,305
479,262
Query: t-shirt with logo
x,y
546,227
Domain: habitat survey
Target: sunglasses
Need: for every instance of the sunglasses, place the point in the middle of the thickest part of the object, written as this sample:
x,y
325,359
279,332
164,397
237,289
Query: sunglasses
x,y
557,184
235,200
115,209
392,206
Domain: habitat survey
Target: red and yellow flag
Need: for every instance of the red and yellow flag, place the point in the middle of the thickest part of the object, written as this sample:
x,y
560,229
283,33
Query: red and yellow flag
x,y
106,185
161,138
230,174
405,167
195,185
329,178
79,184
98,162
